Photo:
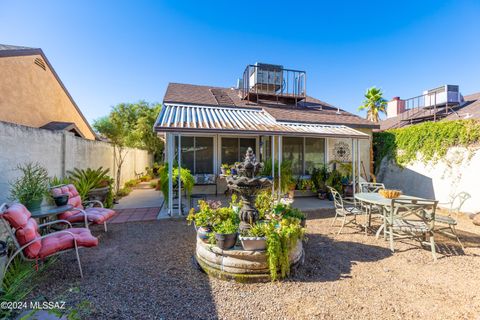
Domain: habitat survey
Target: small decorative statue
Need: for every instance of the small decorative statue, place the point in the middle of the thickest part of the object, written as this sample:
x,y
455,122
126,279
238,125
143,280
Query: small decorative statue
x,y
248,185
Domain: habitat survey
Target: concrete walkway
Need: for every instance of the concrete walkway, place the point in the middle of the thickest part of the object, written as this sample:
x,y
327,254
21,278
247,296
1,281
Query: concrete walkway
x,y
141,198
145,203
142,204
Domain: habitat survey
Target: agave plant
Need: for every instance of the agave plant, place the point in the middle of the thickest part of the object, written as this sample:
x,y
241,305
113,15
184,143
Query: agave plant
x,y
85,180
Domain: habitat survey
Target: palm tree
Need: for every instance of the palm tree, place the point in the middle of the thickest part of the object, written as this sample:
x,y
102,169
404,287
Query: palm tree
x,y
374,104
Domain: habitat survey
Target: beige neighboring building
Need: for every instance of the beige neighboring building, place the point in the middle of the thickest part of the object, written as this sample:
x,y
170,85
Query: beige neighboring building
x,y
32,94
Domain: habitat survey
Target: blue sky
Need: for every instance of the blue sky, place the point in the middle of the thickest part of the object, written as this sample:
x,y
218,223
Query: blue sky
x,y
107,52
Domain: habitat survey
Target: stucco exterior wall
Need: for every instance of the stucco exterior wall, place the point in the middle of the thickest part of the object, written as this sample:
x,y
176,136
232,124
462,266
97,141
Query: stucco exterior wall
x,y
59,152
457,172
33,97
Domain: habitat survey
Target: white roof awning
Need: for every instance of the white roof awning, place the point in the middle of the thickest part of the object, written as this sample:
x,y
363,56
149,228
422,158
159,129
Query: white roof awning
x,y
193,118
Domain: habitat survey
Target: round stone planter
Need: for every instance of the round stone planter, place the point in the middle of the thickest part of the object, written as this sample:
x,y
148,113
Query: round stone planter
x,y
238,264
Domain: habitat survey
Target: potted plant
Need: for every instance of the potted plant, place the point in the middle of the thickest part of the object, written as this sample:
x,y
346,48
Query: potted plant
x,y
284,211
225,169
202,220
92,184
254,238
335,181
226,234
235,203
30,188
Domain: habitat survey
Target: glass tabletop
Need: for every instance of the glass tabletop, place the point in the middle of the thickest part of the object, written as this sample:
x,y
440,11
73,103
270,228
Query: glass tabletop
x,y
46,211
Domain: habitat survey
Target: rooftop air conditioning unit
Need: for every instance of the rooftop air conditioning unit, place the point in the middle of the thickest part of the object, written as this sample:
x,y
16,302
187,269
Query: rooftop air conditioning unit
x,y
442,95
266,78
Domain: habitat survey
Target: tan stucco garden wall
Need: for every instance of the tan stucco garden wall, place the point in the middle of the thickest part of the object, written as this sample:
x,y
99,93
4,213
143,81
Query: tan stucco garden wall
x,y
33,97
458,172
59,152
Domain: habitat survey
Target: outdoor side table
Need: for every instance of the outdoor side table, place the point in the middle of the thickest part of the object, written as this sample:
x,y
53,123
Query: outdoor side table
x,y
46,212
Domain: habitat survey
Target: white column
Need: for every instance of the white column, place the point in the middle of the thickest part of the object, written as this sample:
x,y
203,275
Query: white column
x,y
353,165
279,166
179,149
171,151
358,161
273,165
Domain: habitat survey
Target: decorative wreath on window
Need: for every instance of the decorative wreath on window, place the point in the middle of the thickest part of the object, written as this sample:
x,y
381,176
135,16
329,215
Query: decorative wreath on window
x,y
341,151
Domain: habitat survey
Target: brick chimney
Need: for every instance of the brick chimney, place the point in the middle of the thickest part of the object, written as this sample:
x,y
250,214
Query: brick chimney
x,y
395,107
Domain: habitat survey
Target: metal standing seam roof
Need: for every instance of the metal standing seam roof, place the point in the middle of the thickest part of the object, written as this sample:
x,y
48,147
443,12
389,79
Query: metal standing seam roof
x,y
193,118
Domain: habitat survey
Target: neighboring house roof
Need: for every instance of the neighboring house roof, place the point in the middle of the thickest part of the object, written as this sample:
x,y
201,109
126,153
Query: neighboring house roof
x,y
470,109
13,51
310,110
62,126
467,110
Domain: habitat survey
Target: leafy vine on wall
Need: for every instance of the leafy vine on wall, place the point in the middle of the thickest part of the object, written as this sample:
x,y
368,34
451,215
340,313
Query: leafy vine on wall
x,y
431,139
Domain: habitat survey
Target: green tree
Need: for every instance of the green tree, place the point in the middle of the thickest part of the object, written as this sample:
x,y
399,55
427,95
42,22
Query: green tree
x,y
130,125
374,103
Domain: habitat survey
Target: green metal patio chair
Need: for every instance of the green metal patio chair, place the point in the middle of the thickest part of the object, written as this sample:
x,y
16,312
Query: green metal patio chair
x,y
369,187
446,224
345,209
410,218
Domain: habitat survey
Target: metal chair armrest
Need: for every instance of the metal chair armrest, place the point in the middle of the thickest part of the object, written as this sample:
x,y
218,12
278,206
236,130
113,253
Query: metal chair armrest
x,y
84,214
19,250
54,222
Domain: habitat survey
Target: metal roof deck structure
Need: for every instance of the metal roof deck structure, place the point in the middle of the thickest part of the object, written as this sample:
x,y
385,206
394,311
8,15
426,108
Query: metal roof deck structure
x,y
207,119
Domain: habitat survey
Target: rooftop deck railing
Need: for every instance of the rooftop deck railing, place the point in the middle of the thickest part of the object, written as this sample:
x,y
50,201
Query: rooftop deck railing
x,y
435,105
273,82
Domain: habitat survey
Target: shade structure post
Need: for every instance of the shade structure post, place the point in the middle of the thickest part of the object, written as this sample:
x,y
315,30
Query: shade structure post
x,y
179,150
170,153
273,165
279,167
353,166
358,161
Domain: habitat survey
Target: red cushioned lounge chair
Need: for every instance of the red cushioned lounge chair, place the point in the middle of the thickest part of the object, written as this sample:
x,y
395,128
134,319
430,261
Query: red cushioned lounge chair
x,y
24,232
87,214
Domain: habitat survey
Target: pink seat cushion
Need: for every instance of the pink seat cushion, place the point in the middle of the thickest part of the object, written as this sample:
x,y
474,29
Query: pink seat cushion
x,y
17,215
29,233
60,241
95,215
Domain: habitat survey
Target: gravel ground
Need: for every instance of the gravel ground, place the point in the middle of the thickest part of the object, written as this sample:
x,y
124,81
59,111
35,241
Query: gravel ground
x,y
143,270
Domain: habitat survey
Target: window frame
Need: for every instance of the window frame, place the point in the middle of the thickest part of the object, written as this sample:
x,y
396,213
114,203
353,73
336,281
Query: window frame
x,y
325,150
220,144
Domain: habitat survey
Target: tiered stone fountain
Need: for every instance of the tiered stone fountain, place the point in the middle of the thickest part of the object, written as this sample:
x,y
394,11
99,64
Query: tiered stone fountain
x,y
236,263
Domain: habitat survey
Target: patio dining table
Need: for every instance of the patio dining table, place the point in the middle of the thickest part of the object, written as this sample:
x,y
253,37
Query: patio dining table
x,y
375,199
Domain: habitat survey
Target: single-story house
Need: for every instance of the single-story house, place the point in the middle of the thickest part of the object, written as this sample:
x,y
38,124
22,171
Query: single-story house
x,y
32,94
268,111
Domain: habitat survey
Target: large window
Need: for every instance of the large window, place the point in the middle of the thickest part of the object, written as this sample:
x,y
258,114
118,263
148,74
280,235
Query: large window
x,y
314,154
234,149
197,154
304,154
293,152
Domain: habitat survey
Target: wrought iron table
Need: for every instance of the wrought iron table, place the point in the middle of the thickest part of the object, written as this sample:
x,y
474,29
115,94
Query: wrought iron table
x,y
371,199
